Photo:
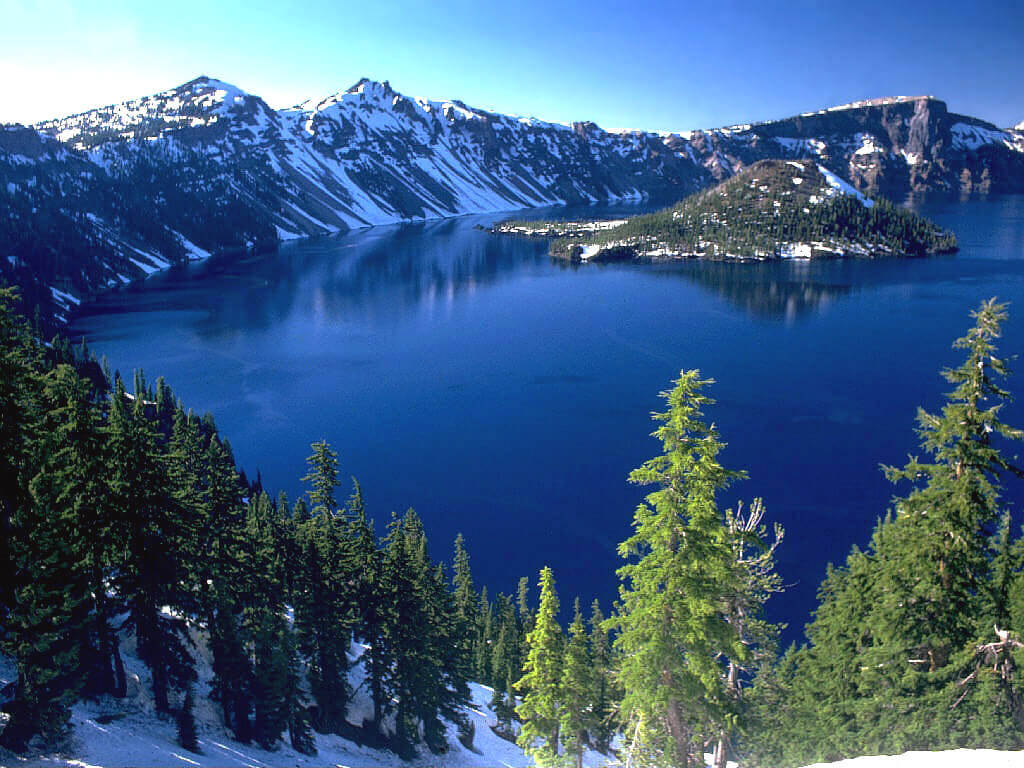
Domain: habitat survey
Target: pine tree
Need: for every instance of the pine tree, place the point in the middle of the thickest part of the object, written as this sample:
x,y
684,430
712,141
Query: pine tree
x,y
70,481
603,692
576,714
374,614
155,531
892,660
943,525
324,618
672,633
325,613
274,690
483,655
523,604
541,680
20,359
322,477
465,601
44,628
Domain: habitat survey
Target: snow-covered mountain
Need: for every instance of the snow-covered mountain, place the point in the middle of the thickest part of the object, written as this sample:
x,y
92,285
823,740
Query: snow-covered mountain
x,y
105,196
370,155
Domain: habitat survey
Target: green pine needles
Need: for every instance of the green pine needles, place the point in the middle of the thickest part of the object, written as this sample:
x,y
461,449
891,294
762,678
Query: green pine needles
x,y
916,643
679,639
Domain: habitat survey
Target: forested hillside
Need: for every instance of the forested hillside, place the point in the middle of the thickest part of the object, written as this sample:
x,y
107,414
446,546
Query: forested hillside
x,y
124,516
773,209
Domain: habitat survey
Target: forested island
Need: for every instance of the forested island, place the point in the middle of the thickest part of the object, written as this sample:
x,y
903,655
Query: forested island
x,y
774,209
127,524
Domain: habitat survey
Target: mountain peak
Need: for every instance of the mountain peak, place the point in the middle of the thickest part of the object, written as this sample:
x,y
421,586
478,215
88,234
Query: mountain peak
x,y
374,87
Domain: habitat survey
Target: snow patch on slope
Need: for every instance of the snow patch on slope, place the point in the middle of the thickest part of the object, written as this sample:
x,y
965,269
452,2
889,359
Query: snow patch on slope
x,y
840,187
127,733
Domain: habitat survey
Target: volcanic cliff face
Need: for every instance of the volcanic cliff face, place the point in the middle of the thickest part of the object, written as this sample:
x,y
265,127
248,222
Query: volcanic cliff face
x,y
108,195
886,146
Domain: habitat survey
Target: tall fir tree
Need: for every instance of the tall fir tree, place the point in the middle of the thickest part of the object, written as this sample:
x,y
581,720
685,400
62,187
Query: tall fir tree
x,y
672,632
892,660
152,566
541,682
576,715
604,692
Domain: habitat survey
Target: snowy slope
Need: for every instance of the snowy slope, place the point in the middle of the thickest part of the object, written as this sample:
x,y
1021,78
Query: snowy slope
x,y
207,166
369,155
127,733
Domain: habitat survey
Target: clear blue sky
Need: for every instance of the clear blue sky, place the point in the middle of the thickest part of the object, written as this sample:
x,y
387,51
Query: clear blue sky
x,y
642,64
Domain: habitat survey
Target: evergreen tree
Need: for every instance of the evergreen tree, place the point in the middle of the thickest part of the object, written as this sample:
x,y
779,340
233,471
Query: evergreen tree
x,y
542,678
673,636
274,689
523,604
483,656
71,481
44,628
155,529
576,715
892,661
325,613
20,358
374,613
603,692
465,602
322,477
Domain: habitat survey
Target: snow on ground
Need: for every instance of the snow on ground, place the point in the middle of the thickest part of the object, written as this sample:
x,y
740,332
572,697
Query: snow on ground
x,y
842,187
127,733
954,758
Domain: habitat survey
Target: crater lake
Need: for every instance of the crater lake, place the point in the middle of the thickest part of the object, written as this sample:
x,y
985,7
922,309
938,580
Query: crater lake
x,y
507,396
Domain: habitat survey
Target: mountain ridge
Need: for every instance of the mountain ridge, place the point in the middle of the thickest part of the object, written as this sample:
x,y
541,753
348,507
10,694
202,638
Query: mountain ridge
x,y
207,166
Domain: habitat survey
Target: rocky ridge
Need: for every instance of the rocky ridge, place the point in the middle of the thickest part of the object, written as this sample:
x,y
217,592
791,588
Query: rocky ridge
x,y
106,196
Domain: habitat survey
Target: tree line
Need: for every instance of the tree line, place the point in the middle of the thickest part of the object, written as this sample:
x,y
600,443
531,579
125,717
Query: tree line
x,y
124,516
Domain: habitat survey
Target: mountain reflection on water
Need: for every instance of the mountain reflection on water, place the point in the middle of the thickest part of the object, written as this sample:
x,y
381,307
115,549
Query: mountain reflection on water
x,y
507,396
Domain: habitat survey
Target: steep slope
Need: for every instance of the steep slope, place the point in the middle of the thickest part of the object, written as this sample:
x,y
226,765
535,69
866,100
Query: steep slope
x,y
891,146
773,209
207,166
128,733
370,155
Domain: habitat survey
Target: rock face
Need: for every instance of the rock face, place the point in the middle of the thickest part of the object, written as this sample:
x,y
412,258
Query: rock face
x,y
891,147
105,196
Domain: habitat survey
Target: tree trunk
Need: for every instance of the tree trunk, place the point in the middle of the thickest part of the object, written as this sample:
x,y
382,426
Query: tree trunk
x,y
105,680
680,734
120,679
724,737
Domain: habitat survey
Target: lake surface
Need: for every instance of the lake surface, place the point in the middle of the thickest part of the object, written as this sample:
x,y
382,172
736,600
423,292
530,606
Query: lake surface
x,y
507,397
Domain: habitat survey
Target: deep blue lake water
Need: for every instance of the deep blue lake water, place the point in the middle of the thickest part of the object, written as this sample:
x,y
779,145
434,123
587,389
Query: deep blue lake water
x,y
508,397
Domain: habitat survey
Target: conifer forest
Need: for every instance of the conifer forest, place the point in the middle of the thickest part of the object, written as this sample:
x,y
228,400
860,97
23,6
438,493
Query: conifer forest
x,y
125,515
